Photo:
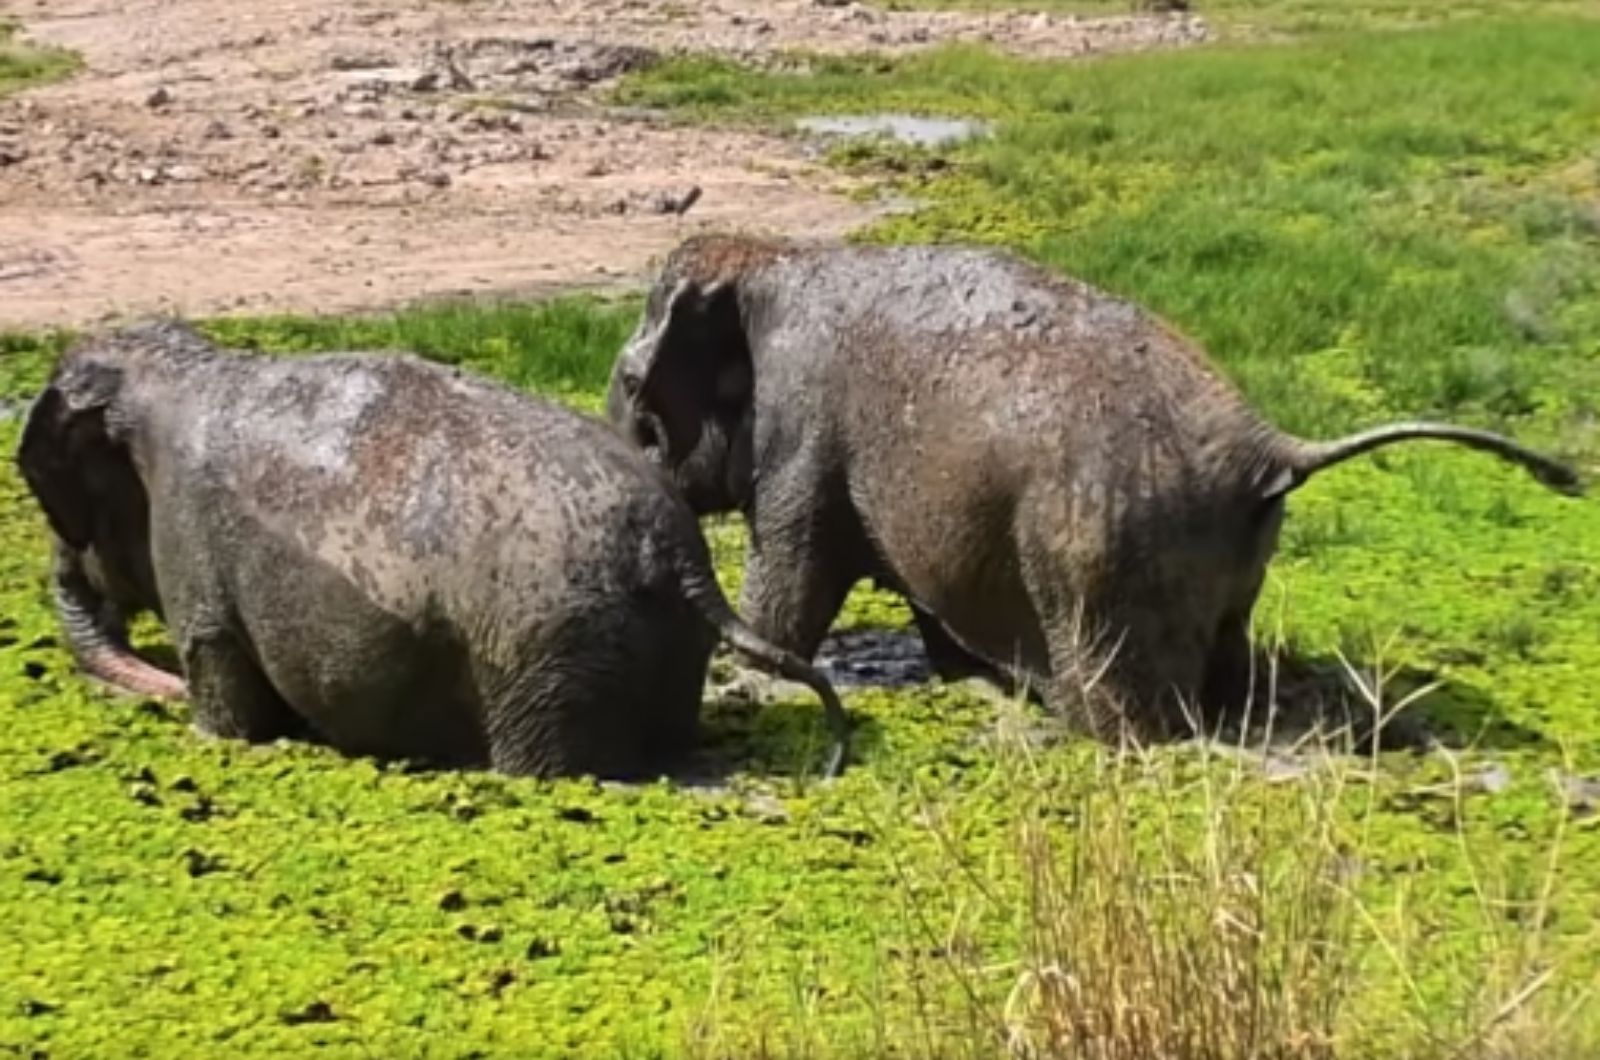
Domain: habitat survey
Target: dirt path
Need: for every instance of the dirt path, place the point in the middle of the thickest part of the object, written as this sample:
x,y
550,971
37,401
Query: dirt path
x,y
301,155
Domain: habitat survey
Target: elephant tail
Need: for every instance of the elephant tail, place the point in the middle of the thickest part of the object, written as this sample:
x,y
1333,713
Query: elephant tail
x,y
1306,458
703,592
97,638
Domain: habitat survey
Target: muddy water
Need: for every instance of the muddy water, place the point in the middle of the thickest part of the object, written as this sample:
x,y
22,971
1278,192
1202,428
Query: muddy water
x,y
918,131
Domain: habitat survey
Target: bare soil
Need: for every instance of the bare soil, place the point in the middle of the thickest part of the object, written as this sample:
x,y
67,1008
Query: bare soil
x,y
215,156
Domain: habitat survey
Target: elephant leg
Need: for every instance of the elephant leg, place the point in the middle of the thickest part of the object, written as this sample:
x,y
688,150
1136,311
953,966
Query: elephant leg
x,y
1230,669
232,697
615,693
792,601
800,566
947,657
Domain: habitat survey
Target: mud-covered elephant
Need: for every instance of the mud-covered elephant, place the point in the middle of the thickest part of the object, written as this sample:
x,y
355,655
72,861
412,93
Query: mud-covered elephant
x,y
1063,487
380,553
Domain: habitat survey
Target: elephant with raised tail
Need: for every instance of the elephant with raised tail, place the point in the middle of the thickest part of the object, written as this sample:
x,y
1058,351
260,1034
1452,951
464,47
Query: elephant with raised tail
x,y
388,555
1065,490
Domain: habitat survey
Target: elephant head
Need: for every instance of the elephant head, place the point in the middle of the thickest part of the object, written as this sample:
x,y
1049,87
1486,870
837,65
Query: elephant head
x,y
75,457
683,390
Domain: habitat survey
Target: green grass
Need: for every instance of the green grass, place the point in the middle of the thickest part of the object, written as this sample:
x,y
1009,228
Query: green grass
x,y
1242,17
1358,228
23,65
561,348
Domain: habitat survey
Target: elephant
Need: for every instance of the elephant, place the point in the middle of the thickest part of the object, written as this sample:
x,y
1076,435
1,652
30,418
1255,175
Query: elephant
x,y
1068,494
379,553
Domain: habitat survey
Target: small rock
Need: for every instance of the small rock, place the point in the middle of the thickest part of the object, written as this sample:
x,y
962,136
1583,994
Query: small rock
x,y
11,153
216,130
1279,769
360,61
1583,795
159,98
677,203
766,809
452,901
382,138
1493,780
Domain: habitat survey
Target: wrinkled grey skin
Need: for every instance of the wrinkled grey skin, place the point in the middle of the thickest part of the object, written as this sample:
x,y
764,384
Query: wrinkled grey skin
x,y
380,553
1031,462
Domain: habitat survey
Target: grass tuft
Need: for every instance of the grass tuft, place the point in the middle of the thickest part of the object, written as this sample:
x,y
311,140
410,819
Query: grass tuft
x,y
24,65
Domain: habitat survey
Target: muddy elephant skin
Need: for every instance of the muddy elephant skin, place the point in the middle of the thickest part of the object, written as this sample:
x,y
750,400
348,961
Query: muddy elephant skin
x,y
1064,488
380,553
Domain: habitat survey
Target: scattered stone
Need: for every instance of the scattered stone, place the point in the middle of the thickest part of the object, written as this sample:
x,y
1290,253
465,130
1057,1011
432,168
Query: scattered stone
x,y
452,901
360,61
11,153
1491,781
216,130
677,203
766,809
159,98
1582,794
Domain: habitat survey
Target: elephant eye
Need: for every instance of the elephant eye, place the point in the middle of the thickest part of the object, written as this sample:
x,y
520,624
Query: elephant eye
x,y
630,385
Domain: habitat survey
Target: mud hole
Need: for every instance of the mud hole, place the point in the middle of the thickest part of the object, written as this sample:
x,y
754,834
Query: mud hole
x,y
315,156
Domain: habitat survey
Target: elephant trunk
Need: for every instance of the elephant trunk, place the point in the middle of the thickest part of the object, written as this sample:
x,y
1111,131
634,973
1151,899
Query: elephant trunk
x,y
702,590
97,637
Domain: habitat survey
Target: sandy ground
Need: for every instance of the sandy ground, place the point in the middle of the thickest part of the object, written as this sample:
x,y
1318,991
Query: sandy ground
x,y
217,156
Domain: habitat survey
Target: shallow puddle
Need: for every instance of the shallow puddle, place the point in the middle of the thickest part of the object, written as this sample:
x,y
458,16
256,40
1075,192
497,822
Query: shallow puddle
x,y
916,130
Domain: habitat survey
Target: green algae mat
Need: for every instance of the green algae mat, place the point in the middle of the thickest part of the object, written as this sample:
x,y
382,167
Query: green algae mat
x,y
1359,228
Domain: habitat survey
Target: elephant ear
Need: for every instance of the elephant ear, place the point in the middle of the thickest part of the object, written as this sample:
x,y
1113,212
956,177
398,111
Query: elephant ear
x,y
65,430
696,369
